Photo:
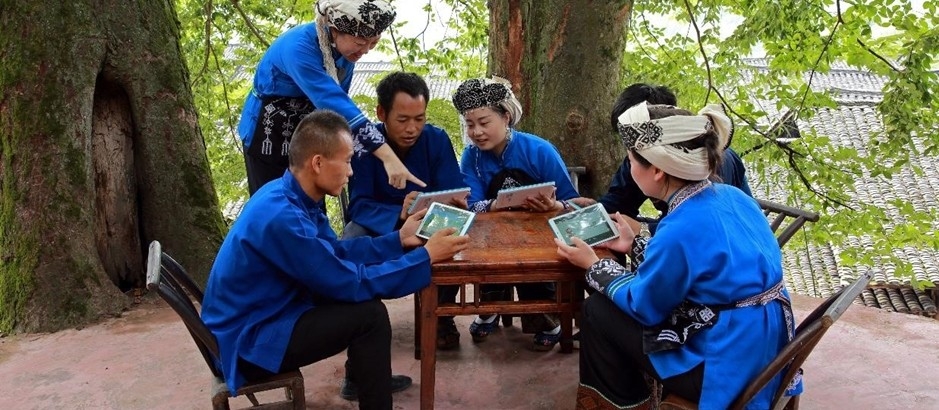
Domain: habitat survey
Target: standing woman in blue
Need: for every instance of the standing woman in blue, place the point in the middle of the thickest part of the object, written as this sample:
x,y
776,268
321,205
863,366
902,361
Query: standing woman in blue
x,y
498,156
310,66
707,308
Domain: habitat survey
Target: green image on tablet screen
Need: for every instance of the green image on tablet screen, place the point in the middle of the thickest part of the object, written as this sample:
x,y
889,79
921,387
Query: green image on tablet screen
x,y
591,227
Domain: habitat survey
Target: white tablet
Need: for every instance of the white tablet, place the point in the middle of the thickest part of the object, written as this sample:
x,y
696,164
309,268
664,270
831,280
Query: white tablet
x,y
515,197
591,224
424,199
441,216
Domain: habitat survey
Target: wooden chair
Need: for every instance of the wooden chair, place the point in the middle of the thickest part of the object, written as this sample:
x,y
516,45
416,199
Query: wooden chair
x,y
790,358
797,218
170,281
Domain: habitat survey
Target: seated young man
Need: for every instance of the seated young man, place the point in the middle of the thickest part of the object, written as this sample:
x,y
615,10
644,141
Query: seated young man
x,y
624,195
376,208
284,292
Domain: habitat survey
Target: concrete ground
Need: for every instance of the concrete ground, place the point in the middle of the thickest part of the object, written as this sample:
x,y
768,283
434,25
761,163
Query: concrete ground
x,y
870,359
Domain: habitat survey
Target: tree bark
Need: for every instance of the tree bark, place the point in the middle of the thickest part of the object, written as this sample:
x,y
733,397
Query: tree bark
x,y
563,58
101,153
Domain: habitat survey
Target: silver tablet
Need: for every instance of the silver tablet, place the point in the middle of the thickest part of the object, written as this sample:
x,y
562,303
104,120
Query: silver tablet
x,y
591,224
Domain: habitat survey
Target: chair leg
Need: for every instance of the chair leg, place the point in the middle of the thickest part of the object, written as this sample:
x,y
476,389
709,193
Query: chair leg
x,y
254,400
220,402
507,320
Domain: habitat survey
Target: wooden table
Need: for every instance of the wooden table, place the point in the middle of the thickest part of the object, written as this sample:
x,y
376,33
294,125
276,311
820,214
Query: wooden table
x,y
505,247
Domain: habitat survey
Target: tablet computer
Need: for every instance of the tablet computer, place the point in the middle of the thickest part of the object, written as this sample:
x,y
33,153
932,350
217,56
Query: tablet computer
x,y
515,197
591,224
441,216
424,199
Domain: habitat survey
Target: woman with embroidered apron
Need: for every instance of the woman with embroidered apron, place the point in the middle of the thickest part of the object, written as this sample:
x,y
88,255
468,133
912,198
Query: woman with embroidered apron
x,y
706,309
308,67
498,156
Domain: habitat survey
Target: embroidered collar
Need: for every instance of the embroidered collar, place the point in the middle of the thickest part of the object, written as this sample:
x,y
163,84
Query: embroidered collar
x,y
685,192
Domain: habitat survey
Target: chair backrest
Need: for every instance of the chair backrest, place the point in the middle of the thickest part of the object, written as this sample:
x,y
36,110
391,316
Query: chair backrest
x,y
810,331
798,218
576,173
170,281
344,205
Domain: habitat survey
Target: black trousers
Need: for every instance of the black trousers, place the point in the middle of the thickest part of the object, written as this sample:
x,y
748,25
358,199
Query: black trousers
x,y
612,361
322,332
261,172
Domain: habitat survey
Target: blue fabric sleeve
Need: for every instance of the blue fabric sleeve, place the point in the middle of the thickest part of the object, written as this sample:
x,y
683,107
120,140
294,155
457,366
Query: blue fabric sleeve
x,y
643,297
320,264
303,62
734,173
468,168
444,168
364,192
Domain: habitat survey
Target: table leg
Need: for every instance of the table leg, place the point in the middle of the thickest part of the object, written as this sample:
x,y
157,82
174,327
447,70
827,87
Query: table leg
x,y
417,326
428,345
565,294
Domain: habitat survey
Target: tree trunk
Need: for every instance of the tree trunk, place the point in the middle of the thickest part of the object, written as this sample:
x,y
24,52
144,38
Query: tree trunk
x,y
563,58
101,153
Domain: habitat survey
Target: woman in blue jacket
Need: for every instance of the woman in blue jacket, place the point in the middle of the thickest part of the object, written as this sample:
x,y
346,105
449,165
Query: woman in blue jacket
x,y
706,309
498,156
310,66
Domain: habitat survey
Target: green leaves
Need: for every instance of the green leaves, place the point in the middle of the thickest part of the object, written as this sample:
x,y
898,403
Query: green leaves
x,y
843,149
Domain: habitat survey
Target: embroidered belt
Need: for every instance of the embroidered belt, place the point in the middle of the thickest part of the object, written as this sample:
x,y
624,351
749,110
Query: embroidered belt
x,y
690,318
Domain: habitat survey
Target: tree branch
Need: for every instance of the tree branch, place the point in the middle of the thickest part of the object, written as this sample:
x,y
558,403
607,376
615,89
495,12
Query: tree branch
x,y
394,42
208,9
228,116
707,63
790,152
818,61
254,29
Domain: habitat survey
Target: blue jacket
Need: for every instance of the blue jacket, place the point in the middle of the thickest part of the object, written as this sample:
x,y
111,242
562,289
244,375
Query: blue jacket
x,y
293,67
625,197
278,256
529,153
375,204
715,248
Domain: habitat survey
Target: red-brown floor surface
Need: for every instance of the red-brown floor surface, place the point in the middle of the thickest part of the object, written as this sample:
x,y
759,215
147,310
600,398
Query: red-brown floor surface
x,y
870,359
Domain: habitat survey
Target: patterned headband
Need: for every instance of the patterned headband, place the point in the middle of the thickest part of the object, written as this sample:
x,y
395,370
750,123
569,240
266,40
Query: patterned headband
x,y
360,18
480,92
655,138
639,132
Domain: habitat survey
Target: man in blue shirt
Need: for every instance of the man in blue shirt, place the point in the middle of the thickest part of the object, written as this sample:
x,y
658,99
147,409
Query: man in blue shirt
x,y
284,292
376,208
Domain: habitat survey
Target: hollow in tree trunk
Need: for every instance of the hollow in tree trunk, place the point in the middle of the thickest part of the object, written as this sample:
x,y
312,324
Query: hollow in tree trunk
x,y
101,153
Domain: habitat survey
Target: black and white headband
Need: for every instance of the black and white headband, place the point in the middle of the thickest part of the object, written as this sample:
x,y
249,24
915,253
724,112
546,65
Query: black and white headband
x,y
360,18
654,139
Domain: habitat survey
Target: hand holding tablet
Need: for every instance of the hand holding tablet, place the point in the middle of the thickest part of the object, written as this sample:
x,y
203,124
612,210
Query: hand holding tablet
x,y
424,199
591,224
440,216
518,196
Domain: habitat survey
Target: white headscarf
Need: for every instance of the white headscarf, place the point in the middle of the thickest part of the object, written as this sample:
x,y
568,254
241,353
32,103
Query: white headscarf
x,y
360,18
654,139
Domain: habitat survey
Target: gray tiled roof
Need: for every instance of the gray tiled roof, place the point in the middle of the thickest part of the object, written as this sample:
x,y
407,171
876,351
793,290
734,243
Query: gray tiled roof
x,y
365,75
814,270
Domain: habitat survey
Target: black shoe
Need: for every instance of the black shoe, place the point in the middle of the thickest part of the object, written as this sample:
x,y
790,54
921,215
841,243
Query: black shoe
x,y
350,391
448,337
